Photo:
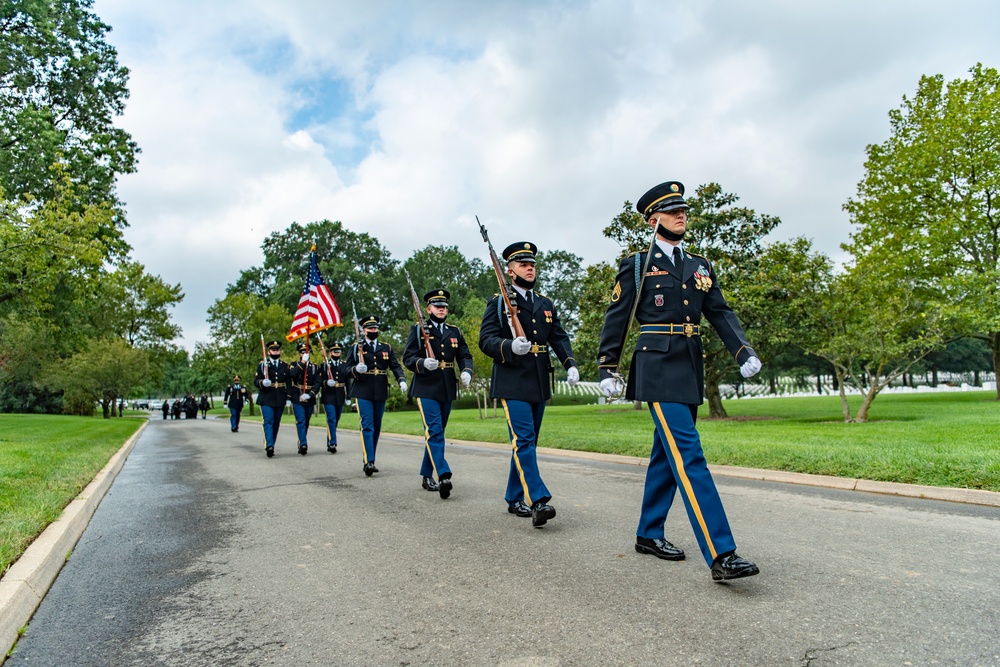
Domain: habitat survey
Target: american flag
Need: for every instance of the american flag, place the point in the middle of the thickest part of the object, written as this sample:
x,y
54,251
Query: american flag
x,y
317,308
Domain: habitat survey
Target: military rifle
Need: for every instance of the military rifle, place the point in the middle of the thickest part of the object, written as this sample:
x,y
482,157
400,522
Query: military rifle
x,y
326,359
357,334
263,352
420,318
506,290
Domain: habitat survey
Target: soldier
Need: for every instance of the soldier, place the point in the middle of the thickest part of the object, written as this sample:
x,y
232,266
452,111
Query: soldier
x,y
370,385
166,408
271,379
175,409
667,371
333,374
233,398
521,367
303,385
434,384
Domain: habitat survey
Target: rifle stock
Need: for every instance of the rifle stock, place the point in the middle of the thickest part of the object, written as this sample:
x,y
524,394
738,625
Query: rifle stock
x,y
420,318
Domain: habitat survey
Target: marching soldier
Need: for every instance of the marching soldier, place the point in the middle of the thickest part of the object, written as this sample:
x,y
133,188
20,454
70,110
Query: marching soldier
x,y
434,384
271,379
370,385
166,408
303,386
333,374
676,288
233,398
521,377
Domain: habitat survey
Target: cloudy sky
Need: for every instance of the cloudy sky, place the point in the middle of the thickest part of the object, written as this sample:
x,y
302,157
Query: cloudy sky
x,y
405,119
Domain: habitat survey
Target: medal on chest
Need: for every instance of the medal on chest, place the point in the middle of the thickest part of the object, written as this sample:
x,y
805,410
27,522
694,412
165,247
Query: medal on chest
x,y
454,342
702,280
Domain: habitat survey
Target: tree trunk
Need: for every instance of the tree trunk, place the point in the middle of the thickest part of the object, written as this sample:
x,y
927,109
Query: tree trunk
x,y
479,406
866,402
104,408
844,407
773,381
975,379
934,378
994,338
714,397
819,384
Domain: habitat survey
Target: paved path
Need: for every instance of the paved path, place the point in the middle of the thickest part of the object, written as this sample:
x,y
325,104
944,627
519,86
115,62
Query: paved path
x,y
204,552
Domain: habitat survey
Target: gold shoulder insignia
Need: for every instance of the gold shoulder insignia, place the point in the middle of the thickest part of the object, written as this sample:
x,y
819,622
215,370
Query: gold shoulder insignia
x,y
617,293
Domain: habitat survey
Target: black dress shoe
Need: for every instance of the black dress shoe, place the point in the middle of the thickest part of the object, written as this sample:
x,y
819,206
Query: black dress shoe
x,y
444,488
541,512
303,449
374,469
269,451
429,484
369,469
519,509
332,449
732,566
659,548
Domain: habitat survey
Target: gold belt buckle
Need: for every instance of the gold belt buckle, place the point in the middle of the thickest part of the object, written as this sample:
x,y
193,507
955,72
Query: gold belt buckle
x,y
688,330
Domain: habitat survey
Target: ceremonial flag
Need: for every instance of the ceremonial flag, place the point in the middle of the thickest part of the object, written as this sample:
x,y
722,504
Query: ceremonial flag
x,y
317,308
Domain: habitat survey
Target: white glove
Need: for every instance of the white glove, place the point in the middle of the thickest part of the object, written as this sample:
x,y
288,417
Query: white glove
x,y
750,367
304,398
520,345
330,383
402,386
572,376
466,379
265,383
431,364
611,387
361,368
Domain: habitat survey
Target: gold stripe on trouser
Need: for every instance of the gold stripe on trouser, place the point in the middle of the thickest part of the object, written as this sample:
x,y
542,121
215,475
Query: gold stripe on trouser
x,y
427,436
685,482
513,444
361,432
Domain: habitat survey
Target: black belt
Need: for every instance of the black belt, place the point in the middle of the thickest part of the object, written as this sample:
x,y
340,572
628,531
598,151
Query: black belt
x,y
375,372
671,329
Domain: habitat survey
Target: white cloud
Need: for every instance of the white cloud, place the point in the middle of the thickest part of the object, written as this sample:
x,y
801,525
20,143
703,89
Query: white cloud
x,y
541,117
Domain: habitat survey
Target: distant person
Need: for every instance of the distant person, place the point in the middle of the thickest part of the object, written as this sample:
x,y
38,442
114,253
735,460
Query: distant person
x,y
667,372
271,380
435,385
333,374
203,405
370,363
190,406
175,409
166,408
233,398
303,386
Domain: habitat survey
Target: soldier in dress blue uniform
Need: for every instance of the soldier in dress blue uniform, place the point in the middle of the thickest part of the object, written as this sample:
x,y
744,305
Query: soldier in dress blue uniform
x,y
370,386
303,386
333,374
271,379
434,384
234,398
667,372
520,377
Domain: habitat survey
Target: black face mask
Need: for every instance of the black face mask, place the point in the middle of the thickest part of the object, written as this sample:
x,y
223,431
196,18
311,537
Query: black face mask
x,y
437,320
669,235
524,284
372,335
275,355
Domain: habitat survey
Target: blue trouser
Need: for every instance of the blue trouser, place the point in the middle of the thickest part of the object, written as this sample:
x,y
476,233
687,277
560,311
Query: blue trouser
x,y
370,416
272,419
435,416
677,461
303,413
524,483
333,413
234,418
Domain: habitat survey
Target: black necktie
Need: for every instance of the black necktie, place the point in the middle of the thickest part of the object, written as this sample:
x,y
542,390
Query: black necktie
x,y
677,258
527,297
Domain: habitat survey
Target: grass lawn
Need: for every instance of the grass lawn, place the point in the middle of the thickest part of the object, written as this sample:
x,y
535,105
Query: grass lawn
x,y
937,439
45,462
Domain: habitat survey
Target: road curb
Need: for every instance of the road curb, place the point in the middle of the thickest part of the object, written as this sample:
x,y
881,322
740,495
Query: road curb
x,y
27,581
967,496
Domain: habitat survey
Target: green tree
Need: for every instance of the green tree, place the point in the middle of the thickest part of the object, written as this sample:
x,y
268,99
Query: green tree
x,y
595,294
560,277
236,324
107,371
929,196
135,306
444,266
44,245
61,87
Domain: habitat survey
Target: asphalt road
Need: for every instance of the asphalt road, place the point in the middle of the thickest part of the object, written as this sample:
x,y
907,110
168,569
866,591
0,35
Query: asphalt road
x,y
204,552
